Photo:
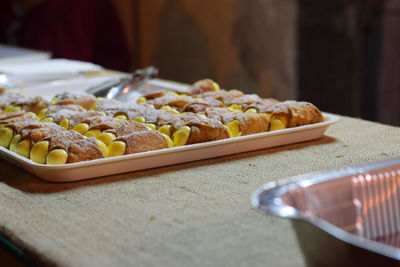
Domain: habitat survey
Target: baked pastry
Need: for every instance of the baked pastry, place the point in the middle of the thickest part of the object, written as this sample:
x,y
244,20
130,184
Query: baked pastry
x,y
140,141
27,134
82,99
54,108
78,121
78,127
69,147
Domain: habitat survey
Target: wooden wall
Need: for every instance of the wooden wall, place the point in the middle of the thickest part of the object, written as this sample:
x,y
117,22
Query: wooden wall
x,y
388,90
340,55
249,45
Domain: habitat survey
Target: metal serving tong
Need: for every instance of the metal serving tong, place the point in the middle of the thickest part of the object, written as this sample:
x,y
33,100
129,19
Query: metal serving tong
x,y
120,87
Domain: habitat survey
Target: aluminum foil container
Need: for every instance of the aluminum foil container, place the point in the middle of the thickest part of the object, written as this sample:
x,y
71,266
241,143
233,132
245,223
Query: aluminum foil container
x,y
344,217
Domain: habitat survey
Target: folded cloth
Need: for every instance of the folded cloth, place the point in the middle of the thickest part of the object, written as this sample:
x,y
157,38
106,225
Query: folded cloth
x,y
25,74
50,66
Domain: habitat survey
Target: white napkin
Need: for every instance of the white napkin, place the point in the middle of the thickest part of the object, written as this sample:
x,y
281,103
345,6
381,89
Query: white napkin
x,y
24,74
51,66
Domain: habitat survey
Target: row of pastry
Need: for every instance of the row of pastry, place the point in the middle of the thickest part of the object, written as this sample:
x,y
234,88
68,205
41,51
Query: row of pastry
x,y
78,127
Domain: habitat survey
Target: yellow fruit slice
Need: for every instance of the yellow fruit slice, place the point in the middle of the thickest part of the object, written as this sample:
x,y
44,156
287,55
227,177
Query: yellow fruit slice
x,y
181,136
39,152
116,148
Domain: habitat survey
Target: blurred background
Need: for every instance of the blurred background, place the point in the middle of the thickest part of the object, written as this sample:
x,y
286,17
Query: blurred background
x,y
341,55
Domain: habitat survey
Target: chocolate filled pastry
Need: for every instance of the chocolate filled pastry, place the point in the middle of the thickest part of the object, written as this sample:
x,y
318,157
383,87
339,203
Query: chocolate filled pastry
x,y
82,99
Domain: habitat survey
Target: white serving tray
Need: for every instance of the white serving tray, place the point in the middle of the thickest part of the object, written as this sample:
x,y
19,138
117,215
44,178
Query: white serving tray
x,y
158,158
164,157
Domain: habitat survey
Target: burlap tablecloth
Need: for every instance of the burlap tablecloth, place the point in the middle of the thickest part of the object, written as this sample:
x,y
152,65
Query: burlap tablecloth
x,y
195,214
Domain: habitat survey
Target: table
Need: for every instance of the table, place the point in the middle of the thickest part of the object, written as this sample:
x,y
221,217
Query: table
x,y
194,214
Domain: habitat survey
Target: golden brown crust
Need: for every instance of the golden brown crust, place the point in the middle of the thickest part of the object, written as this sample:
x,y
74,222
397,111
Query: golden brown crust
x,y
75,117
89,117
63,139
84,149
207,110
296,113
155,94
171,100
202,129
17,117
133,111
31,104
224,96
18,126
54,108
185,103
250,123
202,86
36,131
110,106
204,132
262,105
77,146
107,124
82,99
130,127
143,141
8,97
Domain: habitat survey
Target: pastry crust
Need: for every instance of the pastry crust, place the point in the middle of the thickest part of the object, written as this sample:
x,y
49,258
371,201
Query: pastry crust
x,y
8,96
20,116
296,113
79,127
78,147
142,141
54,108
75,117
36,131
82,99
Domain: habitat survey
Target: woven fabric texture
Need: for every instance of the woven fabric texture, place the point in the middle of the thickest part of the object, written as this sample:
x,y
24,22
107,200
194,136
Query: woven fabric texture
x,y
194,214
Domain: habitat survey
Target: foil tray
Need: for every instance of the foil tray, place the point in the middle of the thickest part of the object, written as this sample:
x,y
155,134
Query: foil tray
x,y
344,217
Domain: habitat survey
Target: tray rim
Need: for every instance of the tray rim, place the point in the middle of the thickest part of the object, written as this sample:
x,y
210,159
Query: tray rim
x,y
36,168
